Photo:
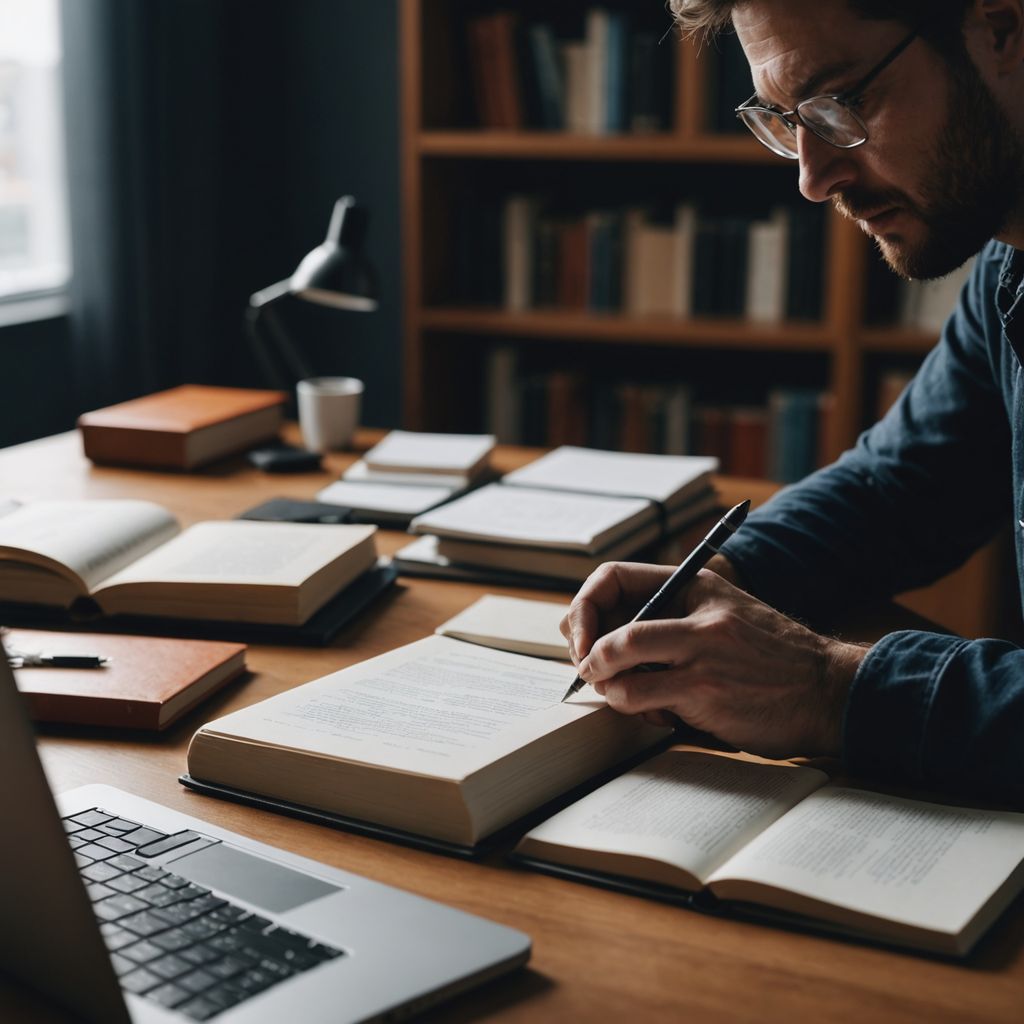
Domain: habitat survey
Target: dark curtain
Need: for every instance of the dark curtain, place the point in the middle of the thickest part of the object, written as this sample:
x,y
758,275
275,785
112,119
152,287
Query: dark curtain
x,y
164,100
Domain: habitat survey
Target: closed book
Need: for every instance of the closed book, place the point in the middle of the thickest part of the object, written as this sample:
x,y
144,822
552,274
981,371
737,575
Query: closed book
x,y
518,223
182,428
748,442
573,264
148,682
504,27
650,75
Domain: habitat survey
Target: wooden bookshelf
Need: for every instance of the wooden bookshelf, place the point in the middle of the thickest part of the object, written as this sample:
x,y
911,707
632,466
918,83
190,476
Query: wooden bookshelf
x,y
444,154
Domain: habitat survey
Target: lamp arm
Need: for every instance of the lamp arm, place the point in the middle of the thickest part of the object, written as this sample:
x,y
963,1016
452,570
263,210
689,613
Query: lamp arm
x,y
268,338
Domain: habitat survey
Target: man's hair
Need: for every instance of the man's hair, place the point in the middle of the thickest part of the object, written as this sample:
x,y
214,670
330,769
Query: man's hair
x,y
940,21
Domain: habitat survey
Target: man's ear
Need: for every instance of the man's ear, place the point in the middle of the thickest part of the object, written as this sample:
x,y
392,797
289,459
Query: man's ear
x,y
996,29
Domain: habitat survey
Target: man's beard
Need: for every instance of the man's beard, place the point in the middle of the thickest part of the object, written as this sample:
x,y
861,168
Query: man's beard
x,y
969,191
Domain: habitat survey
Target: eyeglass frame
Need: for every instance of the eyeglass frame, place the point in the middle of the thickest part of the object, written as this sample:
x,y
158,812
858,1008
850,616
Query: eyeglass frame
x,y
843,98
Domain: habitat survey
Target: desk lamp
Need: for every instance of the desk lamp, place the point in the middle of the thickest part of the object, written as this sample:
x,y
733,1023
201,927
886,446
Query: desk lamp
x,y
335,273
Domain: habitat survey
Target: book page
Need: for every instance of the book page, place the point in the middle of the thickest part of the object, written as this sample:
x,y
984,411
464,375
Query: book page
x,y
87,539
511,624
906,860
244,552
658,477
522,515
436,706
688,809
452,453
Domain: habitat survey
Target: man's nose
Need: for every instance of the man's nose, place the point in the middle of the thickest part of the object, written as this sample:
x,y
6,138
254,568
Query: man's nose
x,y
824,169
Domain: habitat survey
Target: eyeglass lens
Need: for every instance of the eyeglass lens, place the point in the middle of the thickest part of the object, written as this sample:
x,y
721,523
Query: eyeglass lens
x,y
827,118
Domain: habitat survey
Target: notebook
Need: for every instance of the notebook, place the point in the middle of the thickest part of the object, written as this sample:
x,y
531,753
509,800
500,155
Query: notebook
x,y
190,922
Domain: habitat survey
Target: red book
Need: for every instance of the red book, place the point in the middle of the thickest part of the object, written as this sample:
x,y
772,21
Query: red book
x,y
149,683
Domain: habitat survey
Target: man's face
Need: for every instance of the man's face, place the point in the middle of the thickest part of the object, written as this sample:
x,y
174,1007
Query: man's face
x,y
940,173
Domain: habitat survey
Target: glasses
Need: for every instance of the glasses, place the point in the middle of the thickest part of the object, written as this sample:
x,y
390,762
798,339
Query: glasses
x,y
831,117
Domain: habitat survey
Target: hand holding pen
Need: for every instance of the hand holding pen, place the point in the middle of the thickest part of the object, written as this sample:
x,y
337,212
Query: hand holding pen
x,y
687,570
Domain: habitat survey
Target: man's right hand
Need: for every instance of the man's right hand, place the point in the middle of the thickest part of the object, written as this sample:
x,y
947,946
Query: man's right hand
x,y
734,667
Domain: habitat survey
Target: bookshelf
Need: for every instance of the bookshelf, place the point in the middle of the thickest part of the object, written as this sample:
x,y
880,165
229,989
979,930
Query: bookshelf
x,y
447,156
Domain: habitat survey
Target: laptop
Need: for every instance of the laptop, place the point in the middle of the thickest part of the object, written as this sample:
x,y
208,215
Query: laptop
x,y
119,909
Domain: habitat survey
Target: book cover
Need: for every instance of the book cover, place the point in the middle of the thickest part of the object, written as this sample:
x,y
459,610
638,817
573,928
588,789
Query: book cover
x,y
183,427
148,683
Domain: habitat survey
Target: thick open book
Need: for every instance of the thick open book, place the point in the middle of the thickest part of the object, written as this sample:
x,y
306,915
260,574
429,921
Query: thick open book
x,y
777,840
439,738
132,558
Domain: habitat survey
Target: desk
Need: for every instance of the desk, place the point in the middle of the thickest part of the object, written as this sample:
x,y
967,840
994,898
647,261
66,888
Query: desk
x,y
597,955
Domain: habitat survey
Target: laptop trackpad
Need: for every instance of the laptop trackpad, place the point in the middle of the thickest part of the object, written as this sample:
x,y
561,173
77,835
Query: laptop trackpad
x,y
249,878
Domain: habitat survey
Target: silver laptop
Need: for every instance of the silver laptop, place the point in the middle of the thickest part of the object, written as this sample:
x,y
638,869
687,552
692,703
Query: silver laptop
x,y
120,909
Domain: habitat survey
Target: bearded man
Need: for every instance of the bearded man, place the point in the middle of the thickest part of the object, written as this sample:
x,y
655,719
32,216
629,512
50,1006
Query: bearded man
x,y
909,117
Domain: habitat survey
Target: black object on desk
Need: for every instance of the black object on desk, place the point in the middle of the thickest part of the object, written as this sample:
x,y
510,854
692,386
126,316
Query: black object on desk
x,y
284,458
291,510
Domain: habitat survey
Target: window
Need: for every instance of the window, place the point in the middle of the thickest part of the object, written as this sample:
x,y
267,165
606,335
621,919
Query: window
x,y
34,249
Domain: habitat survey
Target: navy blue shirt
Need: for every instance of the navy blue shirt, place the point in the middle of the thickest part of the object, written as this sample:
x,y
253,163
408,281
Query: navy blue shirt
x,y
921,490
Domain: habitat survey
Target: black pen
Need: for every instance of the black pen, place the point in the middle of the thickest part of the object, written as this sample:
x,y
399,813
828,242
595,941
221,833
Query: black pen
x,y
691,565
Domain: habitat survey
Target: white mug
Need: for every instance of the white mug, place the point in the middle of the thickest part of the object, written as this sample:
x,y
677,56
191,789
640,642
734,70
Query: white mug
x,y
328,411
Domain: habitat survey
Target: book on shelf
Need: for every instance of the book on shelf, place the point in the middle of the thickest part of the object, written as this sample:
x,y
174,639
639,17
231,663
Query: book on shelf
x,y
131,558
767,245
182,428
438,741
599,74
514,624
147,683
729,84
780,843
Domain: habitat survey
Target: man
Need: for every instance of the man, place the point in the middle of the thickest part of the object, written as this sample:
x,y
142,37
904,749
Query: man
x,y
909,117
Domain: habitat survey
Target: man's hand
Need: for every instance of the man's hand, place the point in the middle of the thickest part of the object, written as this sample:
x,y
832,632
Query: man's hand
x,y
733,666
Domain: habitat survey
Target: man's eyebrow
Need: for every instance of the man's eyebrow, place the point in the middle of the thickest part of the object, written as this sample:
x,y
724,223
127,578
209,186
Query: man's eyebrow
x,y
811,86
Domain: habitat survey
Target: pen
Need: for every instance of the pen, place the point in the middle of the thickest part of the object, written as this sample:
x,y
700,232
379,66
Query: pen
x,y
690,566
58,661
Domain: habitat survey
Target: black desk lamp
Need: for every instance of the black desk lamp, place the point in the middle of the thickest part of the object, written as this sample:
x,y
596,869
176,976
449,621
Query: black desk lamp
x,y
335,273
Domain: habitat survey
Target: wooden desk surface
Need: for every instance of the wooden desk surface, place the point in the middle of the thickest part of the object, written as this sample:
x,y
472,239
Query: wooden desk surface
x,y
597,955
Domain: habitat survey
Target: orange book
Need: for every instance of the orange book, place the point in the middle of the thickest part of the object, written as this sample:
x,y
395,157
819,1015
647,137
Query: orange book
x,y
503,28
182,428
748,442
573,265
149,682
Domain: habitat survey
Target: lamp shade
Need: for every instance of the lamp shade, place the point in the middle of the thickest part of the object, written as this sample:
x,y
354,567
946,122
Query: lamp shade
x,y
336,273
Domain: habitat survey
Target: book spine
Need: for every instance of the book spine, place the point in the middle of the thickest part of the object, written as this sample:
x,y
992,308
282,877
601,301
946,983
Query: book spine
x,y
503,408
575,59
503,25
616,72
596,41
518,244
550,85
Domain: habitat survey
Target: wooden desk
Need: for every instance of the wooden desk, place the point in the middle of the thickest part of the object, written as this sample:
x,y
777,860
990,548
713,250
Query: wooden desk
x,y
597,955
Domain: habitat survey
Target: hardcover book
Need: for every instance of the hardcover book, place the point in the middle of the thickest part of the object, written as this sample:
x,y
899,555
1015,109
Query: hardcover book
x,y
147,682
182,428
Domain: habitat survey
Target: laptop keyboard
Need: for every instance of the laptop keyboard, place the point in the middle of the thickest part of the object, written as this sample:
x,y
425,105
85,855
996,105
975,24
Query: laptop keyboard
x,y
171,941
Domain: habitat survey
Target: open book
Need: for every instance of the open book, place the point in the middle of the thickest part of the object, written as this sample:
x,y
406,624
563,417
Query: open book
x,y
132,558
776,840
438,739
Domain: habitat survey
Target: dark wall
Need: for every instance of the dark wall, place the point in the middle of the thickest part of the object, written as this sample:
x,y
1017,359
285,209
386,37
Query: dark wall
x,y
268,110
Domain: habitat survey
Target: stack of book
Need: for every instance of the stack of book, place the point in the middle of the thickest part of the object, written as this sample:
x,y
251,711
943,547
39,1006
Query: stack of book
x,y
408,473
599,75
571,510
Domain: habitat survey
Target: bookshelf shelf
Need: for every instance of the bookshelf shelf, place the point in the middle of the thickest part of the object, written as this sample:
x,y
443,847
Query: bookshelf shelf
x,y
613,328
666,147
458,166
898,340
